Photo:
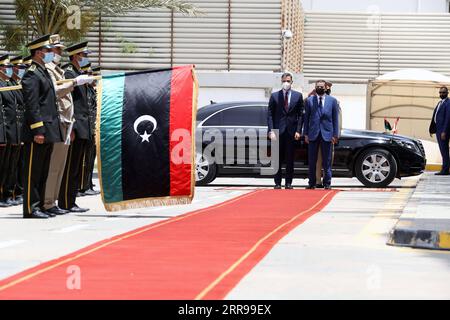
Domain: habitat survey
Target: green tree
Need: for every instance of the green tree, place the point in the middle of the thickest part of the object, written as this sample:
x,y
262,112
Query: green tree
x,y
51,16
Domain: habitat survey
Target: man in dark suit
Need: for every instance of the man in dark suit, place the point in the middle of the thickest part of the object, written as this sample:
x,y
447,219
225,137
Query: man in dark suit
x,y
440,125
285,121
41,127
321,129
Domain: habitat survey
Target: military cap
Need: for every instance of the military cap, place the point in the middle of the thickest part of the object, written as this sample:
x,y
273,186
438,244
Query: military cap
x,y
42,42
4,61
78,48
18,62
97,71
86,68
55,39
27,60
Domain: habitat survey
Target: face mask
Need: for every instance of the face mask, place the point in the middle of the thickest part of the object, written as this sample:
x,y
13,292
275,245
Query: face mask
x,y
48,57
20,73
8,72
57,58
286,86
328,92
320,91
84,61
444,96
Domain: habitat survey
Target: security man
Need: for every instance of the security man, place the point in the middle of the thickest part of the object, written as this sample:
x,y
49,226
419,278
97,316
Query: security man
x,y
41,127
78,55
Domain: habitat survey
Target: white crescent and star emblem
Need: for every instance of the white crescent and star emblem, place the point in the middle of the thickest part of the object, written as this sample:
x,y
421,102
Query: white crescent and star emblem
x,y
145,136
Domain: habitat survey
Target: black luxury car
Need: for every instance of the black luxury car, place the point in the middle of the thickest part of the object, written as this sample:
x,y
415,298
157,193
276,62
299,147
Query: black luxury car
x,y
231,141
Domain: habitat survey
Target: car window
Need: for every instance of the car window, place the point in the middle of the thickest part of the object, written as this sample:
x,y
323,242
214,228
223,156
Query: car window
x,y
254,116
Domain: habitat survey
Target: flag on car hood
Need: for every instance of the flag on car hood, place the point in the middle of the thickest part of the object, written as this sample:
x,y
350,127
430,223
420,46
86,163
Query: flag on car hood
x,y
145,138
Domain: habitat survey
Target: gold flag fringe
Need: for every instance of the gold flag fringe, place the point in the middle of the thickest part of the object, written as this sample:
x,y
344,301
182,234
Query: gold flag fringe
x,y
149,202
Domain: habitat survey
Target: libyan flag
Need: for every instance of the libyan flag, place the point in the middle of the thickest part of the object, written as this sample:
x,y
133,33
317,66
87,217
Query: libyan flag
x,y
145,138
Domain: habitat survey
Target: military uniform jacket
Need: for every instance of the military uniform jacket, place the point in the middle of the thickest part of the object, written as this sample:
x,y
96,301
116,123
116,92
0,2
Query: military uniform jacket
x,y
2,123
82,125
10,113
20,109
41,114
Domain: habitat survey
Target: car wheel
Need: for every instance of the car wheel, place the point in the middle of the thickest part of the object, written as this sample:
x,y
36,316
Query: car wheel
x,y
205,170
376,168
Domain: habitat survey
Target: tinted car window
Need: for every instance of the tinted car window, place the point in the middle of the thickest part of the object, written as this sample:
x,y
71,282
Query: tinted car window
x,y
240,116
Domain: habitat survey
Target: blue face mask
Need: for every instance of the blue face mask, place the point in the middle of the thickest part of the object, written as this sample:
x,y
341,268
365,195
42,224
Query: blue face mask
x,y
49,56
84,62
20,73
9,72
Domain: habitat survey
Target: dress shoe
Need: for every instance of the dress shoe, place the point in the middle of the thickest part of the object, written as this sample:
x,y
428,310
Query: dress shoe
x,y
12,202
289,187
91,192
327,187
37,215
56,211
80,194
310,188
77,209
319,186
19,200
4,204
277,187
442,173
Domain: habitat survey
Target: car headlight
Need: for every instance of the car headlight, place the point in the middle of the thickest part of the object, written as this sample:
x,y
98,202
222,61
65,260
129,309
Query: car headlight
x,y
408,145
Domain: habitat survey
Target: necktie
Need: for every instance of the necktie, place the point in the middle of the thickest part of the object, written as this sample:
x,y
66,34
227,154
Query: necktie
x,y
437,110
286,101
320,103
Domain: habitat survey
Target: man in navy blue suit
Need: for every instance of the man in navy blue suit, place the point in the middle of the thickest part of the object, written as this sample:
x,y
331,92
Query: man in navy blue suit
x,y
284,118
440,124
321,129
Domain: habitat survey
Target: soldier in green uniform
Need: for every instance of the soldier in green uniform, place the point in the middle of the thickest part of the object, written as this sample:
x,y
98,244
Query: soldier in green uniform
x,y
41,127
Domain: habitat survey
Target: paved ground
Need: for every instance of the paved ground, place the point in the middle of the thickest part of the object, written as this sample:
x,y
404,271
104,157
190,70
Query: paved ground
x,y
425,222
340,253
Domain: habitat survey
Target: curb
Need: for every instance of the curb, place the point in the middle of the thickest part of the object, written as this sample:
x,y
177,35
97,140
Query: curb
x,y
433,167
421,239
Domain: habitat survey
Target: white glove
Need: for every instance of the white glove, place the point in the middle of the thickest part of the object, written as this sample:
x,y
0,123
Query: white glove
x,y
83,79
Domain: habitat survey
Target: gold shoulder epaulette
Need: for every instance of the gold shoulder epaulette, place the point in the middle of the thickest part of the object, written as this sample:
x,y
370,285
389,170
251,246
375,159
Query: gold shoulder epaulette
x,y
32,68
69,67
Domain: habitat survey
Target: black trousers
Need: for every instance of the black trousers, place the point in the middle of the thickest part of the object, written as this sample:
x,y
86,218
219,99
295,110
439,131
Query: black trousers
x,y
20,175
36,165
13,168
88,166
72,174
4,161
286,156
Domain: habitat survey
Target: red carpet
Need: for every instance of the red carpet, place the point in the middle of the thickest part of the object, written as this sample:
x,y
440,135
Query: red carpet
x,y
199,255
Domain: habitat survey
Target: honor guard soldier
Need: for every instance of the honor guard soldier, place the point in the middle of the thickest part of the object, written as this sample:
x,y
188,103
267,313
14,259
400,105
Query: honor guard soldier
x,y
86,184
13,185
10,120
3,141
78,55
41,127
67,120
20,67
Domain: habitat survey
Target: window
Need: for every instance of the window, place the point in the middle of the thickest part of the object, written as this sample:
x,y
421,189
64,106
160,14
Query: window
x,y
255,116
